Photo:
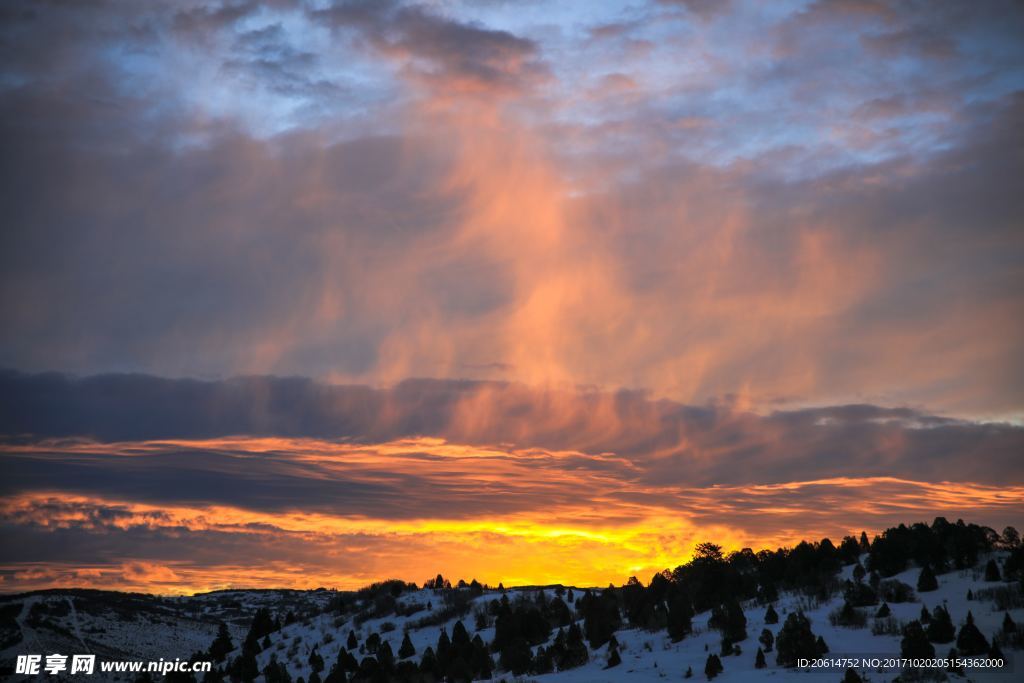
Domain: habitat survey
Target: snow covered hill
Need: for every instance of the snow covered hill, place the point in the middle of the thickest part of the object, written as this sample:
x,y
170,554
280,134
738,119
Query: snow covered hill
x,y
129,626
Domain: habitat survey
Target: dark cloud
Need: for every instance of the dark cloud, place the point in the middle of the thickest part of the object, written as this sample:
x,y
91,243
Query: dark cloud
x,y
450,54
661,441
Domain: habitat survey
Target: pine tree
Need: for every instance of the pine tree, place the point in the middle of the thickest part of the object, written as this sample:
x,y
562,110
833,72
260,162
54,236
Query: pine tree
x,y
614,659
406,649
952,667
316,662
864,545
926,580
970,641
689,672
883,611
1009,625
795,641
770,615
852,677
926,616
222,645
767,640
730,620
821,646
940,629
914,644
858,572
759,662
992,571
713,666
352,642
680,614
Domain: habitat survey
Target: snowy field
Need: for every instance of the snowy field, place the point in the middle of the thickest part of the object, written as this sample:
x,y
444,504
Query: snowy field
x,y
123,626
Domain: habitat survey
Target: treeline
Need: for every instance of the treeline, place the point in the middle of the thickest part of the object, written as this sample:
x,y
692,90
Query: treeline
x,y
539,633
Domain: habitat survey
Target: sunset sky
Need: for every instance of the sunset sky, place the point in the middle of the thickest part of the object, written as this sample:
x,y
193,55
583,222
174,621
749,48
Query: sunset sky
x,y
314,293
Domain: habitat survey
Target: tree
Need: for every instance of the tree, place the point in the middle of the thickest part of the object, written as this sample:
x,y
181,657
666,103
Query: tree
x,y
852,677
859,572
795,641
883,611
1009,625
516,656
601,617
821,646
316,662
926,616
767,640
970,641
992,571
730,620
713,666
680,615
759,662
406,649
770,615
221,645
926,580
914,644
352,642
614,659
575,652
940,628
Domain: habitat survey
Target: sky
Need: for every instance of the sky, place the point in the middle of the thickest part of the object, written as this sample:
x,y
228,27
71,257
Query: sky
x,y
321,293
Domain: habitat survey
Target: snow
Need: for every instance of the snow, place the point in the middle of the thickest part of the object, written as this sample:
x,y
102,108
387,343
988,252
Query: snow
x,y
144,627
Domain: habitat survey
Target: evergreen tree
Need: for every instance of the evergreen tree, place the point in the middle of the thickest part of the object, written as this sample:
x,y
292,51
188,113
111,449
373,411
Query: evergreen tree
x,y
1009,625
970,641
406,649
713,666
992,571
614,659
952,667
730,620
914,644
689,672
575,653
759,662
314,677
795,641
680,614
858,572
926,580
316,662
428,663
970,594
940,629
994,652
864,545
852,677
385,657
883,611
352,642
221,645
821,646
516,656
600,617
926,616
543,661
767,640
770,615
